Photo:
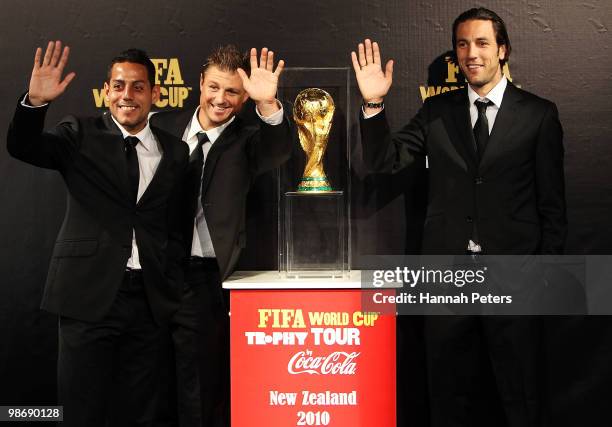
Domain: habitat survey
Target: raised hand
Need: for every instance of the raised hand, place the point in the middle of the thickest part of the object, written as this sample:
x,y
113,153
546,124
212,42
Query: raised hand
x,y
46,83
374,83
262,84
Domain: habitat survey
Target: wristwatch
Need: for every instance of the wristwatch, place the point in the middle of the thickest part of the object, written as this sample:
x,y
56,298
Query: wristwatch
x,y
373,104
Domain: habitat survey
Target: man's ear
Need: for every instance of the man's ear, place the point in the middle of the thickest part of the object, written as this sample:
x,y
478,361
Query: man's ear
x,y
106,87
502,52
155,94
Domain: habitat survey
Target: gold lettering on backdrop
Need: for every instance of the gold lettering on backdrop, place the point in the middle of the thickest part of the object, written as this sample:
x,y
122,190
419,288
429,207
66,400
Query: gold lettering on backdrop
x,y
99,98
174,73
506,71
452,70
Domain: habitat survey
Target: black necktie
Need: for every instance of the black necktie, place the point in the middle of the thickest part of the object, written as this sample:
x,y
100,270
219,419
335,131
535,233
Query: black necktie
x,y
197,155
132,164
481,128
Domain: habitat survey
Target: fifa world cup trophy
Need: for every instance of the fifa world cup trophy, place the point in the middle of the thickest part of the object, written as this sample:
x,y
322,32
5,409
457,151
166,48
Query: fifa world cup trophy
x,y
313,112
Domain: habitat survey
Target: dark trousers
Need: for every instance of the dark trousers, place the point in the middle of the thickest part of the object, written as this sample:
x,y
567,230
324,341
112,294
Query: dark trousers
x,y
107,370
195,385
460,348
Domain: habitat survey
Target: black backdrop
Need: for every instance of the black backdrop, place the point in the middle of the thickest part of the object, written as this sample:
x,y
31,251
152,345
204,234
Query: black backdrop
x,y
561,51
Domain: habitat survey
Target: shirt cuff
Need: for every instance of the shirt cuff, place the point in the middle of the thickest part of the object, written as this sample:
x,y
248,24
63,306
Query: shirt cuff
x,y
366,116
274,119
27,105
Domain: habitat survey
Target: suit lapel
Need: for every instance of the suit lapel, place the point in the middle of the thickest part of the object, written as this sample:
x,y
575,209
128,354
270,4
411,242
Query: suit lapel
x,y
216,151
461,133
504,121
117,155
164,164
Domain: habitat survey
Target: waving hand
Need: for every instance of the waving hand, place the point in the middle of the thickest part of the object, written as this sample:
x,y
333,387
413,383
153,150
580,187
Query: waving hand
x,y
373,81
46,83
262,84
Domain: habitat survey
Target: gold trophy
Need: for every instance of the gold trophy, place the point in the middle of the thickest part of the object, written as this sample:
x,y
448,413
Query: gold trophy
x,y
313,112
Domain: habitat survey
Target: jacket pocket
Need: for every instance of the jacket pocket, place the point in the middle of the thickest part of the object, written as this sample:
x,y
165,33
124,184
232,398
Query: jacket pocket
x,y
75,248
434,216
241,240
526,217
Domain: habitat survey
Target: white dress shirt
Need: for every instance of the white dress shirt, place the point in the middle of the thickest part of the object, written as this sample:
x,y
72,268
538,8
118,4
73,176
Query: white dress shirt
x,y
203,247
149,155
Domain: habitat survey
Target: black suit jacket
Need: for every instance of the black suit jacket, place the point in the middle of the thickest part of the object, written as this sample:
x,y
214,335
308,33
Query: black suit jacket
x,y
243,151
514,196
95,240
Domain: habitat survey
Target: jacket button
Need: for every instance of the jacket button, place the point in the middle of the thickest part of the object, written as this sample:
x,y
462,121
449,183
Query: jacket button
x,y
469,219
478,180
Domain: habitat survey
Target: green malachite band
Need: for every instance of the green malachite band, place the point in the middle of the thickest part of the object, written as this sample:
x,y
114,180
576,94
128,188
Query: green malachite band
x,y
326,188
314,178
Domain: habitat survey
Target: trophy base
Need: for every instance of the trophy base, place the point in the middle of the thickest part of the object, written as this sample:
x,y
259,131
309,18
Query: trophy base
x,y
314,185
314,231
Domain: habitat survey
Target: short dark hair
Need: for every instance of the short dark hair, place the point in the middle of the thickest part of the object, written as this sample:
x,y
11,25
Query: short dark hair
x,y
135,56
483,14
228,58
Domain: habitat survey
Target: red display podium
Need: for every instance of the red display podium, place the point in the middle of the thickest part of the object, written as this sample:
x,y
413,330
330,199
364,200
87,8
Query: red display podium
x,y
303,353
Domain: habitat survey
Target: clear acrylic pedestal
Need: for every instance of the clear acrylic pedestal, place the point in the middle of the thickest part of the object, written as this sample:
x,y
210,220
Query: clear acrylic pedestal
x,y
314,231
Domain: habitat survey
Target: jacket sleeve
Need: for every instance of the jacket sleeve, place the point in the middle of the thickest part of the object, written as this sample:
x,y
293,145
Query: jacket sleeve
x,y
384,151
270,146
27,141
550,183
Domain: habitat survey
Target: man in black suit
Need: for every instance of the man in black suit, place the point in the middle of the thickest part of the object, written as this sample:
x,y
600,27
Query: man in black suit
x,y
115,273
227,152
496,186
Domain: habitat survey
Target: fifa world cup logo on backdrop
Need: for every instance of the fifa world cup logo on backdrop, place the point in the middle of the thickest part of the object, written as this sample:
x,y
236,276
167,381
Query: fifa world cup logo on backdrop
x,y
313,112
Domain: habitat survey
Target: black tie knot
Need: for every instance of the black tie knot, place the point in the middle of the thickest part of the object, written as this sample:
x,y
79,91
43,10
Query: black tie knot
x,y
197,155
202,138
131,142
481,106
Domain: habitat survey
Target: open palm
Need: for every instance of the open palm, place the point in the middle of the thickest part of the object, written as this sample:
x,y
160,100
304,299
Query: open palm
x,y
46,82
262,84
374,83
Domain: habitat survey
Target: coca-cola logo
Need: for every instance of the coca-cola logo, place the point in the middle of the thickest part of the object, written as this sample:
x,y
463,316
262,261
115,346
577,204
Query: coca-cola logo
x,y
336,363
